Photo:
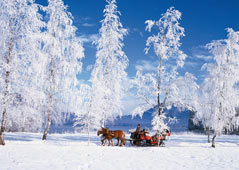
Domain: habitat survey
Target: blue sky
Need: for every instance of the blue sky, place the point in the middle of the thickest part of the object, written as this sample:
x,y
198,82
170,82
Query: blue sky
x,y
203,21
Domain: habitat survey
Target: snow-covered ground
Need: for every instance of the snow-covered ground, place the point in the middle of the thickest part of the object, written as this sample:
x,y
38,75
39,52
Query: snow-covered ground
x,y
26,151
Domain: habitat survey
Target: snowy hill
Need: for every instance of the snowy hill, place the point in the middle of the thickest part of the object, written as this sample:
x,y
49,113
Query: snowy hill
x,y
127,123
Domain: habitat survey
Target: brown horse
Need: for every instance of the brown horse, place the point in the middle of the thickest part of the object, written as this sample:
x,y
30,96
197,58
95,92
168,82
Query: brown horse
x,y
106,138
108,135
119,135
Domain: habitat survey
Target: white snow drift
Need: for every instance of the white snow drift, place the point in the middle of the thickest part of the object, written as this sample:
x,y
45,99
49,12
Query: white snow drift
x,y
70,151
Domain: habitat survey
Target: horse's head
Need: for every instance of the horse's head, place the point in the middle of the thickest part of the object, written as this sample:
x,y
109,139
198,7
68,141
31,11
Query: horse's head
x,y
99,132
105,131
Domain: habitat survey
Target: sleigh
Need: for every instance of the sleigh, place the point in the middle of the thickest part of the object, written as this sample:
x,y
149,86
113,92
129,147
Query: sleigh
x,y
143,139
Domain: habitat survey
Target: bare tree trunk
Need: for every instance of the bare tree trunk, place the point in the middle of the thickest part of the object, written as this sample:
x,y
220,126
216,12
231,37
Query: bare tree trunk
x,y
159,88
50,107
103,120
6,92
89,117
208,135
4,113
48,125
88,133
3,127
160,105
213,140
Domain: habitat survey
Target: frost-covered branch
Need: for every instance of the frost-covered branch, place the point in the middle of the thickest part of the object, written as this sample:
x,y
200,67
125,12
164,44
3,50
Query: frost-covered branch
x,y
164,88
108,75
217,110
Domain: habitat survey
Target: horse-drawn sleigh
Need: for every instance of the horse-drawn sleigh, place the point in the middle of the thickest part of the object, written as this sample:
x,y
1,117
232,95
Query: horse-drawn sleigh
x,y
143,139
137,138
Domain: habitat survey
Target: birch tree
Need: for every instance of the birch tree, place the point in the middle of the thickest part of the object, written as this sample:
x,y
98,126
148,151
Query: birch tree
x,y
63,51
20,25
221,100
109,73
205,102
85,120
164,88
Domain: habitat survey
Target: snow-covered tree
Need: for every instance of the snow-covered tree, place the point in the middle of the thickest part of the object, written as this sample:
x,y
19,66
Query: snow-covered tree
x,y
109,73
205,101
164,88
63,51
220,87
85,119
20,26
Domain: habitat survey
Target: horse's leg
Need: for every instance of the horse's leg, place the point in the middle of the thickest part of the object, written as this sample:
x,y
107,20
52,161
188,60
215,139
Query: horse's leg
x,y
105,141
120,143
112,142
124,141
117,142
103,138
109,139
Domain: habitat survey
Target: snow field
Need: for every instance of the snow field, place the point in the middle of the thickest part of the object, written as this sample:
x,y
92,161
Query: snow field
x,y
26,151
